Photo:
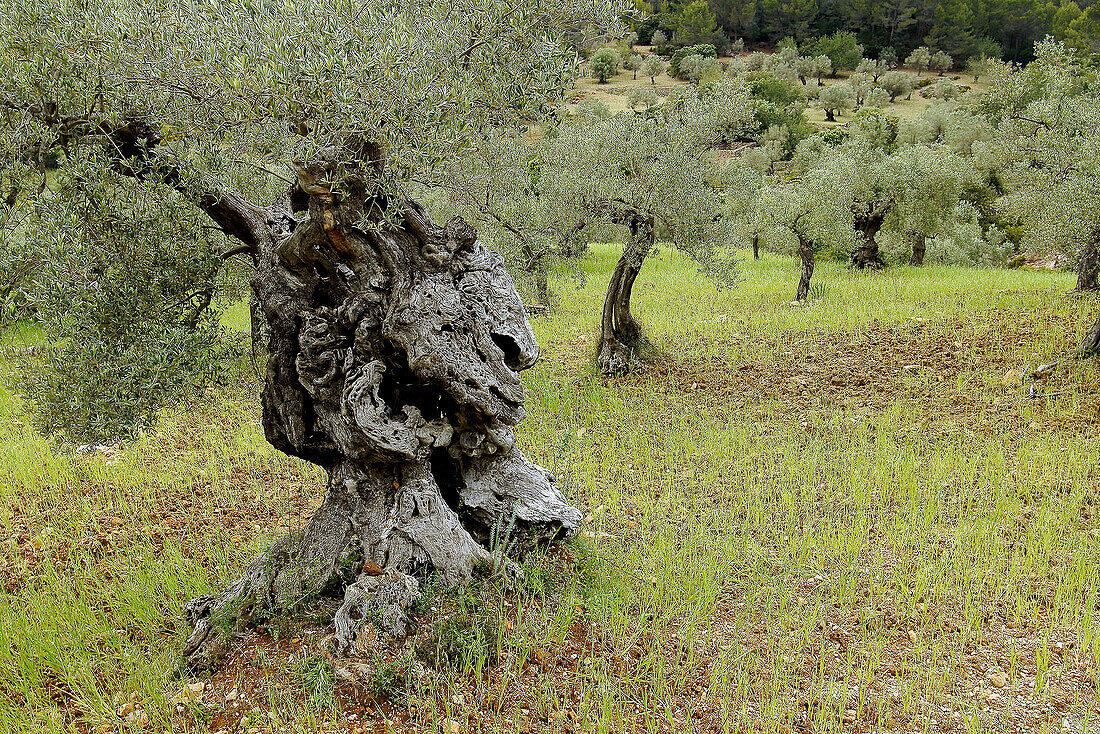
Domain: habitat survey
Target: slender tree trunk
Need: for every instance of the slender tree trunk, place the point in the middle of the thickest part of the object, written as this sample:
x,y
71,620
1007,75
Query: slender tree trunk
x,y
1088,264
919,242
868,224
620,335
806,254
756,246
394,353
1091,345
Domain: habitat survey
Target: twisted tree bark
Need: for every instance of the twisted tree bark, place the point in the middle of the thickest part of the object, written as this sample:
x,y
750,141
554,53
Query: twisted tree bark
x,y
806,255
620,335
1091,345
394,353
919,242
869,217
1088,264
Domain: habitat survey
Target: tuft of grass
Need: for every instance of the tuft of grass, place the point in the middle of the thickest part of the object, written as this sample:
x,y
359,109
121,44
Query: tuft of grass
x,y
317,677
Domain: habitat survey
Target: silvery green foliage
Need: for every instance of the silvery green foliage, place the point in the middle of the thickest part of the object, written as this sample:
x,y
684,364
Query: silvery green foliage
x,y
823,66
918,186
875,68
1048,141
691,67
804,66
155,113
604,64
642,98
555,192
941,62
945,89
835,99
126,309
956,126
878,97
919,59
896,83
756,61
861,83
653,67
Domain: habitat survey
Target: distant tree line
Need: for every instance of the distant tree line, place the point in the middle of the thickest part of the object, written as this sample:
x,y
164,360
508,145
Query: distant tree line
x,y
962,28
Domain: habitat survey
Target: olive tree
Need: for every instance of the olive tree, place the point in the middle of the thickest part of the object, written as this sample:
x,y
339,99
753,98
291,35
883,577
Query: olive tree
x,y
875,68
649,176
799,216
861,84
896,83
654,66
823,66
835,99
279,133
941,62
632,63
1048,116
919,59
604,64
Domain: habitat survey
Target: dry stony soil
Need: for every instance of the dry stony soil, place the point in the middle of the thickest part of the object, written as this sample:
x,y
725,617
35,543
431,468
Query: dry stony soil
x,y
857,515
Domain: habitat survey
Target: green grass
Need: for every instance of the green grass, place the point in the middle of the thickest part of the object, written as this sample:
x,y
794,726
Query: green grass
x,y
777,554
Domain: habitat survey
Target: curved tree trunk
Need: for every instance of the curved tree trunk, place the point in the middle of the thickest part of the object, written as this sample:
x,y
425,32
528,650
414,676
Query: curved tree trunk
x,y
620,335
1088,264
806,254
394,353
919,242
867,224
1091,345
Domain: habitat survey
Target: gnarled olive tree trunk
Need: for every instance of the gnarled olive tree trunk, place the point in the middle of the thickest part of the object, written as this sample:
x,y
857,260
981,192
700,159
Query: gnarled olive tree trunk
x,y
806,255
620,335
394,353
867,223
919,243
1088,264
1091,345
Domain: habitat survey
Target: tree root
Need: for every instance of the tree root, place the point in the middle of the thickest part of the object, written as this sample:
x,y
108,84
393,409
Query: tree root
x,y
377,532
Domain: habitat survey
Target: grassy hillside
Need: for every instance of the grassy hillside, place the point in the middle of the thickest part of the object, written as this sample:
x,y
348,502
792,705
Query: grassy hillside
x,y
821,518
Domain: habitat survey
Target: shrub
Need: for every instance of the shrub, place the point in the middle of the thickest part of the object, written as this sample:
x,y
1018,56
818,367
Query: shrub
x,y
642,97
604,64
945,89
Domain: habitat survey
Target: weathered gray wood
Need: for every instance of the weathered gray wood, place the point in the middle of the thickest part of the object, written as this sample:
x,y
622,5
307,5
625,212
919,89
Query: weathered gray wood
x,y
394,352
621,336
